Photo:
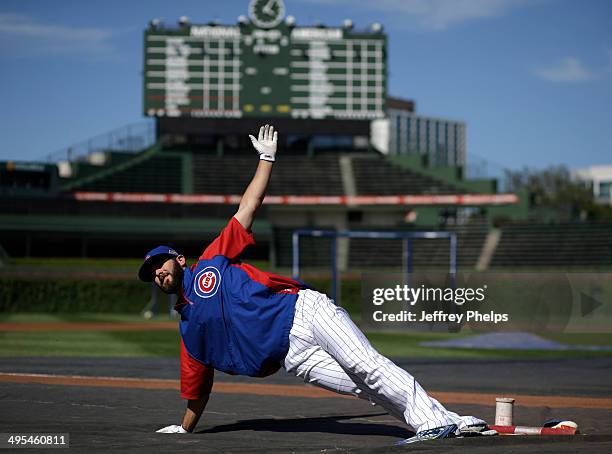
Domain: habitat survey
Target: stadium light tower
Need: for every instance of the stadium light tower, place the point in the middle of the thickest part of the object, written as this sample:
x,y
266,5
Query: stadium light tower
x,y
184,22
290,21
376,27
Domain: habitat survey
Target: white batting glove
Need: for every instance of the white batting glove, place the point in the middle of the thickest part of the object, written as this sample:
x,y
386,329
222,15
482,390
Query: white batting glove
x,y
265,144
172,430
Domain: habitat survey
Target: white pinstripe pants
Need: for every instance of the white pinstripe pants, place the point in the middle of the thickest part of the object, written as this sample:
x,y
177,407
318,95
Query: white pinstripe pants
x,y
327,349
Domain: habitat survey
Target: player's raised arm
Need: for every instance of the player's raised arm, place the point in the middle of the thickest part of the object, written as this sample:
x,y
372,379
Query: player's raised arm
x,y
265,145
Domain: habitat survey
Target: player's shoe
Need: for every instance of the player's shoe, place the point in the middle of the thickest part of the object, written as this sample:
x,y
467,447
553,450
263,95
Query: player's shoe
x,y
560,423
436,433
476,430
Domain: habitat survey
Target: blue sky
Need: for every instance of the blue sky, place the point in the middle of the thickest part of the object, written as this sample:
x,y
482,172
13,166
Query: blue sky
x,y
531,78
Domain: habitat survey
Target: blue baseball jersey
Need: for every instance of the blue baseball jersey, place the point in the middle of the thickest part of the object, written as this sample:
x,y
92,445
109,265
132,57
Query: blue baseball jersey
x,y
234,317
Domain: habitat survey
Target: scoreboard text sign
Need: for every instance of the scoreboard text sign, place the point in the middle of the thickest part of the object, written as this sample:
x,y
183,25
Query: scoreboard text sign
x,y
245,71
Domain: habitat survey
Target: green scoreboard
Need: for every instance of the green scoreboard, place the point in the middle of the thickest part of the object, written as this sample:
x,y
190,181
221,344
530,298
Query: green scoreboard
x,y
265,66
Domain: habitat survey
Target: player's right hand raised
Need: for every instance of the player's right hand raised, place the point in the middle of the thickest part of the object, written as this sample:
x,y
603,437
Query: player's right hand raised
x,y
265,144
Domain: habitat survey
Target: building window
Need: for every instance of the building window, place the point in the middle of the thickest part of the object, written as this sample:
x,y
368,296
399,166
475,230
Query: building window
x,y
427,136
398,142
408,131
448,150
456,140
605,188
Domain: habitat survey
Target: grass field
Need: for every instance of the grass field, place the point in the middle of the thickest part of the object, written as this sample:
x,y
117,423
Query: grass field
x,y
165,342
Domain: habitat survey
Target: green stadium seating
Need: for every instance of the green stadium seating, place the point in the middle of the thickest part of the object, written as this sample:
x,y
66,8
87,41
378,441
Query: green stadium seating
x,y
368,253
148,171
531,244
374,175
294,175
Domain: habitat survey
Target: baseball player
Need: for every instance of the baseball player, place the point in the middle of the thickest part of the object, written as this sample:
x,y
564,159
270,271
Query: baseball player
x,y
240,320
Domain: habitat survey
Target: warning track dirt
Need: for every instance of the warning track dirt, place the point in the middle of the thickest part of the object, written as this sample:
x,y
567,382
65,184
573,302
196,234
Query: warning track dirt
x,y
299,390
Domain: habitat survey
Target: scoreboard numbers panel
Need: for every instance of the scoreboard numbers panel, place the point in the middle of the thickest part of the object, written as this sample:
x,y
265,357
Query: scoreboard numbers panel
x,y
243,71
192,72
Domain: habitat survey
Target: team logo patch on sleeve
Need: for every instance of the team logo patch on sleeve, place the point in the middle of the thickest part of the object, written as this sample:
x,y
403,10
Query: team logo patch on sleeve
x,y
207,282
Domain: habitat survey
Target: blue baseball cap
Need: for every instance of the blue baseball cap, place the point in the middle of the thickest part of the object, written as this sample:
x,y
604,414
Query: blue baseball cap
x,y
146,270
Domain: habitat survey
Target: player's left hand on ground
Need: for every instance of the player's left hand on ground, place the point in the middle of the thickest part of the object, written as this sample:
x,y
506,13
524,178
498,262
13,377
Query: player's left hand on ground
x,y
265,144
173,429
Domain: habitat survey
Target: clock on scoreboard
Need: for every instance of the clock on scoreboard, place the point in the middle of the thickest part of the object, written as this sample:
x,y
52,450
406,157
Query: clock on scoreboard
x,y
266,13
265,66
